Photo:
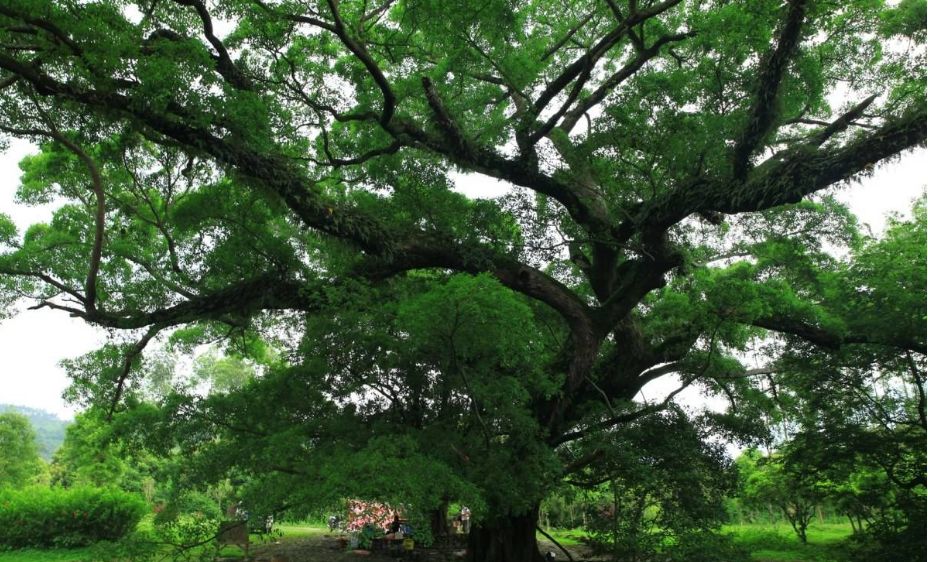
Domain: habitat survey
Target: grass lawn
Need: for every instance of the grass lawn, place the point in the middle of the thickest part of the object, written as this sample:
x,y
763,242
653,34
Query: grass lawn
x,y
778,542
767,542
32,555
567,537
290,532
301,530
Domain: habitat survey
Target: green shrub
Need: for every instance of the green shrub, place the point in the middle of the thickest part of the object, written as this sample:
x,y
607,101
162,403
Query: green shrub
x,y
189,503
140,546
58,517
883,543
706,546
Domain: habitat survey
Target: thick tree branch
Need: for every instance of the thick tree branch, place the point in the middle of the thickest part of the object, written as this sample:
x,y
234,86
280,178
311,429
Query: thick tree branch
x,y
762,114
57,284
295,18
785,178
571,98
624,417
392,148
58,34
225,66
359,51
265,292
584,461
454,146
840,124
636,278
458,142
273,172
831,340
657,372
795,173
557,544
127,363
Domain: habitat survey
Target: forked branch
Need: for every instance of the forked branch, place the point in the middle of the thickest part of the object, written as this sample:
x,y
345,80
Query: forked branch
x,y
762,114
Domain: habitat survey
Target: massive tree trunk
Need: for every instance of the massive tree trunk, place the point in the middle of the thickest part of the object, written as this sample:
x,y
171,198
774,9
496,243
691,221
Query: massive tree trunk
x,y
507,539
439,520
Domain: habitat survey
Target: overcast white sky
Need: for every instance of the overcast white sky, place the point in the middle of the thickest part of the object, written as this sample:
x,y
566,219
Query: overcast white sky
x,y
35,341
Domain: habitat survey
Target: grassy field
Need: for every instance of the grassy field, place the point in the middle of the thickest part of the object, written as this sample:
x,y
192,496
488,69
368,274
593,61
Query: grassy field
x,y
301,530
767,543
567,537
291,533
777,542
31,555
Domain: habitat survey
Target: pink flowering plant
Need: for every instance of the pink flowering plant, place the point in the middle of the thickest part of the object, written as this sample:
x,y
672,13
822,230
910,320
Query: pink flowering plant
x,y
363,514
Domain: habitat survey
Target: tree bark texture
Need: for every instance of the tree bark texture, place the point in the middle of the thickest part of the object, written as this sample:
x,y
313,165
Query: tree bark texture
x,y
508,539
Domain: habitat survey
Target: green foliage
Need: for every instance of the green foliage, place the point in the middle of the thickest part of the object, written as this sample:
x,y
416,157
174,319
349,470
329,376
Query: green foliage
x,y
795,492
905,18
902,539
661,485
778,541
857,414
44,555
184,531
138,547
8,234
49,429
283,186
706,547
188,503
92,456
19,463
222,374
56,517
888,288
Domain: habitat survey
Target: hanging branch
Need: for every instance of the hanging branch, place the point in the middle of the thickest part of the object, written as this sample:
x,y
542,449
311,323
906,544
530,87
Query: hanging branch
x,y
557,544
359,51
128,360
224,64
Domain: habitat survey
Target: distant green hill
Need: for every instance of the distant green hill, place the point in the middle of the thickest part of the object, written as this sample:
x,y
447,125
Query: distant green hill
x,y
49,429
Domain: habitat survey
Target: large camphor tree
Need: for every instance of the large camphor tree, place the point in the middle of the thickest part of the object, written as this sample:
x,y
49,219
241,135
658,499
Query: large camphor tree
x,y
235,168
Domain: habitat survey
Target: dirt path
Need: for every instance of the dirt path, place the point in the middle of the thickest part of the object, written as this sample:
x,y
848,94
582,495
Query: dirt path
x,y
318,548
580,553
325,548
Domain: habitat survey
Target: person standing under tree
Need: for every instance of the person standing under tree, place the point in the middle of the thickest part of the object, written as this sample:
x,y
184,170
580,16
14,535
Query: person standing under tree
x,y
465,519
394,526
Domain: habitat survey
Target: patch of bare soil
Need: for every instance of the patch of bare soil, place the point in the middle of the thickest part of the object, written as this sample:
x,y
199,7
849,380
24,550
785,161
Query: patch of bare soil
x,y
579,553
326,548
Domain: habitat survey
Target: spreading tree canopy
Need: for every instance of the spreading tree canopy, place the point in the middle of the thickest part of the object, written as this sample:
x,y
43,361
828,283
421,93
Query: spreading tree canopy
x,y
262,170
